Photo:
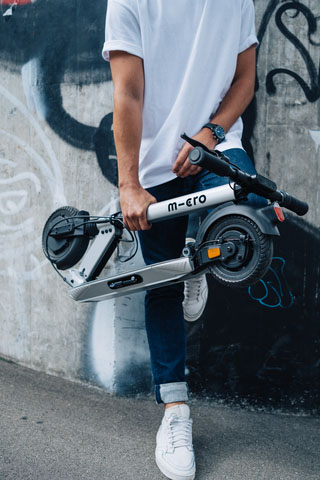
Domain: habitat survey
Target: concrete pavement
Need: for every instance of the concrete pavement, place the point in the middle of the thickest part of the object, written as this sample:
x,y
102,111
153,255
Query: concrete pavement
x,y
54,429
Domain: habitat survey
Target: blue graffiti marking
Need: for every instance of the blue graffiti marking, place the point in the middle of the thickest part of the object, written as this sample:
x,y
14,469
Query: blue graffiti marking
x,y
276,292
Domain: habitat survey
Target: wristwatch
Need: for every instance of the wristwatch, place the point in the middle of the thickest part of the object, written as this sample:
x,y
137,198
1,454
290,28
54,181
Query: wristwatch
x,y
217,131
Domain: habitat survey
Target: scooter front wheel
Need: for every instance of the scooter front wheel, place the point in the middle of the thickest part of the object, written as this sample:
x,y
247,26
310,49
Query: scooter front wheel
x,y
63,252
252,256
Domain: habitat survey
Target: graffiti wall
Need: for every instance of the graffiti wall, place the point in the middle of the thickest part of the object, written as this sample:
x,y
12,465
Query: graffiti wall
x,y
260,345
57,149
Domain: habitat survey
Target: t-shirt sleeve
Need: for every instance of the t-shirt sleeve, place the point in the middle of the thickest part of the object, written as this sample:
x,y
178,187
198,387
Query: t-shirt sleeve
x,y
248,31
122,29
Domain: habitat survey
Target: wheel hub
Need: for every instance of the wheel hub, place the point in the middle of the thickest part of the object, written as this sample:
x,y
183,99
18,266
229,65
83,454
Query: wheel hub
x,y
240,244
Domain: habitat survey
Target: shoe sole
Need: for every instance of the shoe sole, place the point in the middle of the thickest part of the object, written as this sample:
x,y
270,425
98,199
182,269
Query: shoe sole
x,y
171,475
190,318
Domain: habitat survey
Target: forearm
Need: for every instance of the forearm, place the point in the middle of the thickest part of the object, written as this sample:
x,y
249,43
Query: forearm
x,y
127,126
234,103
241,91
127,129
128,80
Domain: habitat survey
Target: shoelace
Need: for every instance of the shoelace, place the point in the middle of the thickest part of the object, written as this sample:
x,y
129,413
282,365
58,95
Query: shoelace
x,y
192,289
179,432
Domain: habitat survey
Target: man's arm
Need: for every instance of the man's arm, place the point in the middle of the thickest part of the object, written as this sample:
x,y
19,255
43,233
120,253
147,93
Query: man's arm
x,y
241,91
232,107
128,80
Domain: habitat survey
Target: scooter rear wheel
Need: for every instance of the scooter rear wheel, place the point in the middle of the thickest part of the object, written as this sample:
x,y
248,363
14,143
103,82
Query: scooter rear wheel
x,y
253,255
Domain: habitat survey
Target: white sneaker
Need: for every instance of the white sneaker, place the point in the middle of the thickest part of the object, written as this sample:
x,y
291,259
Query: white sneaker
x,y
195,297
174,451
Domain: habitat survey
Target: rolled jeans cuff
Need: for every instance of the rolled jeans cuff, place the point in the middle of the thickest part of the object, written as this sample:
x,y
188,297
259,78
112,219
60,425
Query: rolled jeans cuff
x,y
172,392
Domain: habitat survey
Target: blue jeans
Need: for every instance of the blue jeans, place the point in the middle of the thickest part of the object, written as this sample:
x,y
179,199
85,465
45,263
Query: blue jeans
x,y
163,306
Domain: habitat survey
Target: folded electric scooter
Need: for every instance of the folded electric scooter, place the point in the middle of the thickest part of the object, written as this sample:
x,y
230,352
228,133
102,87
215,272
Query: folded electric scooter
x,y
234,242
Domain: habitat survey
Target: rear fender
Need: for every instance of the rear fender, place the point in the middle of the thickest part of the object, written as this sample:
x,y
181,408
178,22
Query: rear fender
x,y
265,218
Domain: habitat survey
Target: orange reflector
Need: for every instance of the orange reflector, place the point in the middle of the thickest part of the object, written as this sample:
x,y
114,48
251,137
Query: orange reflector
x,y
214,252
279,213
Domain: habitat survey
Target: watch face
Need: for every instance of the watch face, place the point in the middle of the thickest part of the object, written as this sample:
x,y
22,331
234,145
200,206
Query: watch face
x,y
219,131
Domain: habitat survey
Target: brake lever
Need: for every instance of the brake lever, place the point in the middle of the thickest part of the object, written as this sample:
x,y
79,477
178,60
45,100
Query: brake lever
x,y
196,143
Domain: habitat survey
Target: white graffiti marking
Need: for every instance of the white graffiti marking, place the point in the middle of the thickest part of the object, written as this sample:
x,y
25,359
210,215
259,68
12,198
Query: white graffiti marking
x,y
5,161
42,136
14,232
13,202
22,239
103,343
58,194
315,135
30,81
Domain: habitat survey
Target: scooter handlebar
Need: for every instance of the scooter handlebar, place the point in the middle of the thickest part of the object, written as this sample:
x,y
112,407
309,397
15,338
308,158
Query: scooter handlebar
x,y
218,164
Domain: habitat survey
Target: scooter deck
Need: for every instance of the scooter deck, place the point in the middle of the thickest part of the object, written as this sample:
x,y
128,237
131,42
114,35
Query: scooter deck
x,y
152,276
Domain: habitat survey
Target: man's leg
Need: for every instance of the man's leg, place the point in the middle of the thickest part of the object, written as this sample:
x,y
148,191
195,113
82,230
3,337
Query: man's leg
x,y
195,289
167,343
164,316
163,306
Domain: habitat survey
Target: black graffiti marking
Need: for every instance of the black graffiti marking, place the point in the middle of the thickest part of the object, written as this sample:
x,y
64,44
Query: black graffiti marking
x,y
65,39
312,92
265,22
105,149
250,115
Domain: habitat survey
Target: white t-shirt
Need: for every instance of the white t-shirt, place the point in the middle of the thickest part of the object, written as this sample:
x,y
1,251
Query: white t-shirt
x,y
189,50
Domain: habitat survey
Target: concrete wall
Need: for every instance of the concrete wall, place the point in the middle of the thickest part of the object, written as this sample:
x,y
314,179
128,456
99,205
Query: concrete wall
x,y
57,148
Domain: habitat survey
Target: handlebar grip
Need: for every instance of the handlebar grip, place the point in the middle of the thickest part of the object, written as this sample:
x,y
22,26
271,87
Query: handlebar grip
x,y
293,204
213,163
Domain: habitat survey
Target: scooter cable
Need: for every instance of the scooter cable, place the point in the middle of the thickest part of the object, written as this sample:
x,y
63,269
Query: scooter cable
x,y
133,239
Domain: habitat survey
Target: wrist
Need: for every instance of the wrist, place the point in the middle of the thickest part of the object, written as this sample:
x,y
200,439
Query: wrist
x,y
129,184
208,139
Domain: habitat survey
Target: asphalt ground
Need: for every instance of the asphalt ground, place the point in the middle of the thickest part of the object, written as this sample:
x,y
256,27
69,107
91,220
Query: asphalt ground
x,y
51,428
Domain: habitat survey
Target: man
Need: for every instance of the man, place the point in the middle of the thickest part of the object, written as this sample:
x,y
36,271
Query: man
x,y
177,66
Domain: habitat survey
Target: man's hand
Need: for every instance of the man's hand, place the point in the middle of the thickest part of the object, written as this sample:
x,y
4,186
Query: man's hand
x,y
134,202
182,166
